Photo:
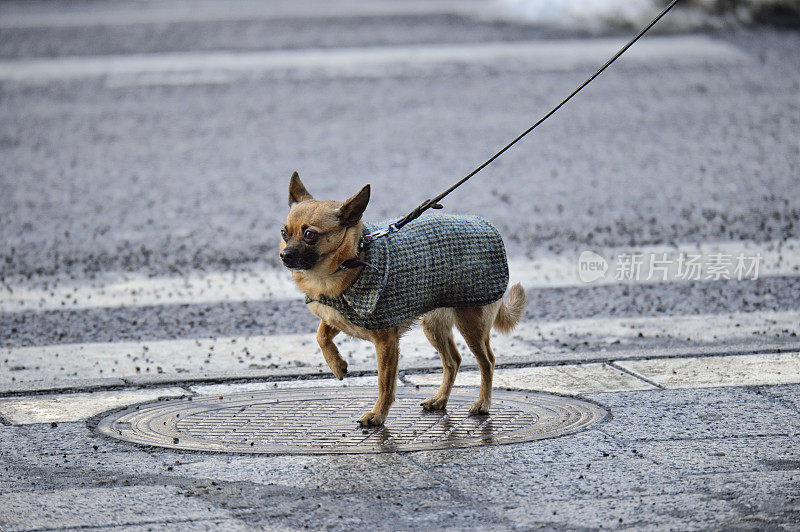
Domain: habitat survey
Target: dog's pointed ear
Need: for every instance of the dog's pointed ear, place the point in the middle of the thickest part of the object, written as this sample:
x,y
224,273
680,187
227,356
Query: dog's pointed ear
x,y
297,191
350,212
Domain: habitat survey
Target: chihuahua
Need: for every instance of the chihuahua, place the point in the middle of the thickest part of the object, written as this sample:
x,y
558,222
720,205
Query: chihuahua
x,y
443,270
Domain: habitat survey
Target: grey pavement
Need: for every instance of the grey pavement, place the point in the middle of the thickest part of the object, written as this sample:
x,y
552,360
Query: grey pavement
x,y
146,149
723,458
168,177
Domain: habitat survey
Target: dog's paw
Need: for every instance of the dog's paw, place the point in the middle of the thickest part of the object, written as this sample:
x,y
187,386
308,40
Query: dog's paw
x,y
480,408
339,368
371,419
434,403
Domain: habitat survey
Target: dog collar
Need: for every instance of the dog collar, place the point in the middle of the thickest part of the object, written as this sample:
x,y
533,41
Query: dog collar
x,y
349,264
355,262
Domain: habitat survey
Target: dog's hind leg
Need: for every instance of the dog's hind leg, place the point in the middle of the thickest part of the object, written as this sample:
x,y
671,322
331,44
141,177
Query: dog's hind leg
x,y
438,328
325,335
475,324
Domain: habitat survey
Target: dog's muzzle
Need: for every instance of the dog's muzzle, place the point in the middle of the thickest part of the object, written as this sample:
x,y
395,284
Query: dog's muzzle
x,y
295,260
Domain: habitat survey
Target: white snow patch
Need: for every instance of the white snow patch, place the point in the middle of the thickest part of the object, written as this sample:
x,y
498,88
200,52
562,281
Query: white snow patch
x,y
588,14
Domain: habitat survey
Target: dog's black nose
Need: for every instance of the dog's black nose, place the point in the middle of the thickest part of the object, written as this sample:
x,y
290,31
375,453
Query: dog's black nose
x,y
298,259
291,258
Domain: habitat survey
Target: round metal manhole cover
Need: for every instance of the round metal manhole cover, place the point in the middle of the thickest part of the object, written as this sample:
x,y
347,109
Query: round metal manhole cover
x,y
323,421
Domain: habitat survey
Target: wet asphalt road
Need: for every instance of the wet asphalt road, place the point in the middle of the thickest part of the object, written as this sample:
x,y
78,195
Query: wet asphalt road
x,y
691,459
164,322
166,179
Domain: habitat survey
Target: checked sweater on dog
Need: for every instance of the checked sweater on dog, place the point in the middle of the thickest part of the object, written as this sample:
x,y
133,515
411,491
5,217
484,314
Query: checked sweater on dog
x,y
432,262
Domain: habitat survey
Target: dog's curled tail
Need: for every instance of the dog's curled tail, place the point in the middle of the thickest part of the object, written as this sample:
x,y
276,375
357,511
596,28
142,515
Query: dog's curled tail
x,y
511,309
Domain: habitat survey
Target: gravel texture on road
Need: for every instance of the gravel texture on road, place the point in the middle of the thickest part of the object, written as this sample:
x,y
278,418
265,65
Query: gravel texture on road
x,y
174,178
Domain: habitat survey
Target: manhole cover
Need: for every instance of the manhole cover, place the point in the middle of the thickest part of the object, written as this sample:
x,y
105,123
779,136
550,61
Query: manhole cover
x,y
323,420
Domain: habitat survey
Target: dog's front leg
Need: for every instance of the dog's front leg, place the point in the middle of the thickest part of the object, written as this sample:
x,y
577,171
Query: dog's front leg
x,y
325,335
387,348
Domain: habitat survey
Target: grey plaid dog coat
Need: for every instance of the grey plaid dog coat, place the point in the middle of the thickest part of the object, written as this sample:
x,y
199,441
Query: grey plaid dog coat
x,y
432,262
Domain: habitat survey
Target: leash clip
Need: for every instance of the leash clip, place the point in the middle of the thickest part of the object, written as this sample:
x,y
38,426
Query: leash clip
x,y
349,264
366,239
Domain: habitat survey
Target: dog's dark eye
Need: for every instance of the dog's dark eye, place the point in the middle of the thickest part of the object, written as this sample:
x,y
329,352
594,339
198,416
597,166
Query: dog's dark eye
x,y
284,234
310,236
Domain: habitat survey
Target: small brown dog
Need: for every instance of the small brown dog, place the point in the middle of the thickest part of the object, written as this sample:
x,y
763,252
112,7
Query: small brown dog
x,y
320,237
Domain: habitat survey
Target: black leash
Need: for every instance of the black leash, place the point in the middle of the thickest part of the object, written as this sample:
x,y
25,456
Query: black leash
x,y
434,202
